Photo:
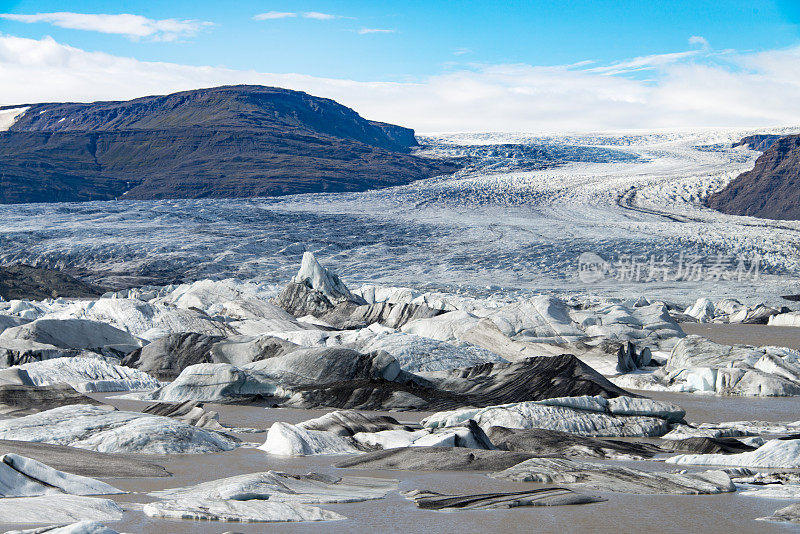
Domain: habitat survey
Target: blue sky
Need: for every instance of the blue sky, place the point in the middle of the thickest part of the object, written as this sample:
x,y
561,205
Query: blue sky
x,y
428,36
412,42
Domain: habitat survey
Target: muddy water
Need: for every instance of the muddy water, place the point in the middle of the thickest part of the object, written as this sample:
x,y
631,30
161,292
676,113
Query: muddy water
x,y
713,409
619,514
748,334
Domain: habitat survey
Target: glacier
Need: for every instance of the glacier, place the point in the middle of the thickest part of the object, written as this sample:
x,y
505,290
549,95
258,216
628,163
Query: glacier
x,y
515,218
491,256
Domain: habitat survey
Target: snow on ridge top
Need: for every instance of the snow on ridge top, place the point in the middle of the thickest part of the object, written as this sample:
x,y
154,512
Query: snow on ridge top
x,y
9,116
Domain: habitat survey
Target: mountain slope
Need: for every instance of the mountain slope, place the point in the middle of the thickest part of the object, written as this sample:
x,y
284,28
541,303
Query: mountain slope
x,y
26,282
771,190
232,141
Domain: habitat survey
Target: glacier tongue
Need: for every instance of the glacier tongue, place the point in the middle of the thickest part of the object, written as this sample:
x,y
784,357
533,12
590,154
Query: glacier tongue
x,y
587,416
50,509
506,223
239,511
775,453
104,430
25,477
86,374
81,527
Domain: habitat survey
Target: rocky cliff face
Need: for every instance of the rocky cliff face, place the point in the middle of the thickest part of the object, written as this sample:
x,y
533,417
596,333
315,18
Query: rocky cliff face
x,y
760,142
233,141
771,190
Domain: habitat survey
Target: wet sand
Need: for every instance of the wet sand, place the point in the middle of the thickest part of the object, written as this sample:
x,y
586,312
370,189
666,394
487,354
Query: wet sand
x,y
621,513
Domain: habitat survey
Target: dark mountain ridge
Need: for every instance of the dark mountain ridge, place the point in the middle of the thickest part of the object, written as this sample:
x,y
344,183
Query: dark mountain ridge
x,y
771,190
231,141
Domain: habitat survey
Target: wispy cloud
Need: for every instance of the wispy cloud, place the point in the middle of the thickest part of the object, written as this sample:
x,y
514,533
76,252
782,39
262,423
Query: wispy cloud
x,y
272,15
315,15
644,63
699,40
659,61
320,16
461,51
131,26
367,31
746,90
584,63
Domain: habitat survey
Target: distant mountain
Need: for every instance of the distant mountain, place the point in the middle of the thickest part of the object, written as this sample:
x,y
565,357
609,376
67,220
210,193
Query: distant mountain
x,y
771,190
231,141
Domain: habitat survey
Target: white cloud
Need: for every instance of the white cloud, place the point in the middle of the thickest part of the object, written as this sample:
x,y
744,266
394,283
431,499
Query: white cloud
x,y
320,16
131,26
699,40
461,51
366,31
644,62
272,15
316,15
754,89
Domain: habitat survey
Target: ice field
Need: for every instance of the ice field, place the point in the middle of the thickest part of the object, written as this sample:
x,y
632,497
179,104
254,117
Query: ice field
x,y
516,218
